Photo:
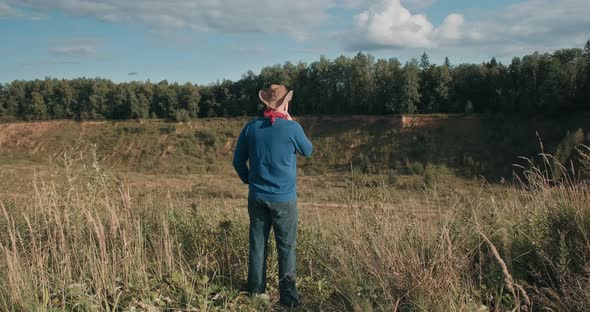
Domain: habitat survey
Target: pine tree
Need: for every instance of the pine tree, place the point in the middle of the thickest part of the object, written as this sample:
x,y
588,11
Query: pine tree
x,y
586,52
494,62
447,62
427,85
424,62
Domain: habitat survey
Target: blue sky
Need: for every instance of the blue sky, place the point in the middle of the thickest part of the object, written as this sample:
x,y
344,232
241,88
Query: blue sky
x,y
206,40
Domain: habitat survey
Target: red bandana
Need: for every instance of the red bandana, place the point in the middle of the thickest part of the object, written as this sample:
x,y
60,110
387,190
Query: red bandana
x,y
269,113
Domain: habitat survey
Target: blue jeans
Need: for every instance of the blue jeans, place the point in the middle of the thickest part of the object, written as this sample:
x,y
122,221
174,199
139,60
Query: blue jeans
x,y
282,217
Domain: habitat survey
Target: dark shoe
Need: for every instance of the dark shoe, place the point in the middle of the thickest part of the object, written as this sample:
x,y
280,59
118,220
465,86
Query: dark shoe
x,y
290,304
288,291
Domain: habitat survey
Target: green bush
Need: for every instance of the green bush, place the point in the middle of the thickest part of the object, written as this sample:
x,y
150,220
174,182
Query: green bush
x,y
182,115
414,167
429,176
206,136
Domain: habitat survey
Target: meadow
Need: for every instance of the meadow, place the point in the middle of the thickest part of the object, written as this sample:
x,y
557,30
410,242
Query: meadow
x,y
125,217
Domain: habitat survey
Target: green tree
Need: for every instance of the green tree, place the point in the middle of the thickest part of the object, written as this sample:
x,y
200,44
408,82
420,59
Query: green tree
x,y
468,83
442,85
210,106
64,98
340,76
387,86
553,82
2,100
165,100
584,94
424,62
323,87
189,99
137,103
361,86
428,84
529,82
586,52
16,99
117,100
275,74
301,84
410,91
38,108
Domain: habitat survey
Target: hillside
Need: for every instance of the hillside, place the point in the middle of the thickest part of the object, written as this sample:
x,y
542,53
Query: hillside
x,y
471,145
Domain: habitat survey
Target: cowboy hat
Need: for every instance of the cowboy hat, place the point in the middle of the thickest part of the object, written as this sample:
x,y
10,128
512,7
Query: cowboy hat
x,y
275,96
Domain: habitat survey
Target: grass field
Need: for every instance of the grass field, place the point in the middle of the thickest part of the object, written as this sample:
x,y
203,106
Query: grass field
x,y
78,232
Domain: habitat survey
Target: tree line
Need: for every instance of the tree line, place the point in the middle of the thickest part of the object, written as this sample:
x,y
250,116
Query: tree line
x,y
534,84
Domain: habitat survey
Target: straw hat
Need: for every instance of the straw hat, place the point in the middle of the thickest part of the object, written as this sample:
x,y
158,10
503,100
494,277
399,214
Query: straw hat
x,y
275,96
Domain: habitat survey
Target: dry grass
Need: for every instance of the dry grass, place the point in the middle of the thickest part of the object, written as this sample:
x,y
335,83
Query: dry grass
x,y
85,239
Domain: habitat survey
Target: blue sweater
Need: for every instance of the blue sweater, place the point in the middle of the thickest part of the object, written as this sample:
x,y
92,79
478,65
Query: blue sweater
x,y
271,153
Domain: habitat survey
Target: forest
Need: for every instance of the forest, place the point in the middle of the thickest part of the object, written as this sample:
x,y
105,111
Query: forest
x,y
535,84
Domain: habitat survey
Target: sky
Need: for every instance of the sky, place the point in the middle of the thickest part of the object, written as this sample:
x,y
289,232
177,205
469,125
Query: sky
x,y
203,41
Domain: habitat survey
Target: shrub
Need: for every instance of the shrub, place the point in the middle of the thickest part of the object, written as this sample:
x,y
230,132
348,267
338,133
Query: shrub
x,y
206,136
429,177
397,165
414,167
182,115
366,163
393,177
132,129
167,129
565,151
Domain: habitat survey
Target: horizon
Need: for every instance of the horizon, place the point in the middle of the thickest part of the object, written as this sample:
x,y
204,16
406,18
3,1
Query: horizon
x,y
219,80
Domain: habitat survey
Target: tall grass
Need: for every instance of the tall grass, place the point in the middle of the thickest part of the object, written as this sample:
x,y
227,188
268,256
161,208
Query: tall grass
x,y
84,241
74,245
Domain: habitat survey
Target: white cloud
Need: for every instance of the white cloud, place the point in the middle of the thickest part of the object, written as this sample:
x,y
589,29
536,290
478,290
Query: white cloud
x,y
539,23
388,24
7,11
257,49
507,31
451,28
523,28
74,47
410,4
294,18
79,50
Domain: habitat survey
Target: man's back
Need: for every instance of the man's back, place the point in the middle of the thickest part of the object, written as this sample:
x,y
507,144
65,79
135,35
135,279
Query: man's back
x,y
271,151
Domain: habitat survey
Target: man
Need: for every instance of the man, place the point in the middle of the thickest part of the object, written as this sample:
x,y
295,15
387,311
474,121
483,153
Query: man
x,y
270,145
